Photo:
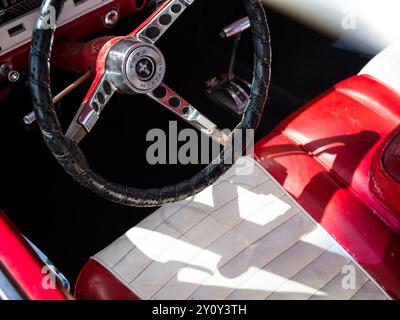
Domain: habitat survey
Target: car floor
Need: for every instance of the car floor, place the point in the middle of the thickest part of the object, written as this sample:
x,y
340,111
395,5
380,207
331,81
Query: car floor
x,y
69,223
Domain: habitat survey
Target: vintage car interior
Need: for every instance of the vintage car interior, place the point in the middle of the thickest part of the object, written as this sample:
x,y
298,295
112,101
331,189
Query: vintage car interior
x,y
311,213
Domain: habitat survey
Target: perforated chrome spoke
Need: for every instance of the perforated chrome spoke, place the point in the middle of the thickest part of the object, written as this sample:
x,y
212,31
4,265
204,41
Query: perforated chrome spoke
x,y
159,22
89,112
183,109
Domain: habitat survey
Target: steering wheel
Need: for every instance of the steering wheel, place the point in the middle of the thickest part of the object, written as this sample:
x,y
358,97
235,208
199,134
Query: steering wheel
x,y
133,64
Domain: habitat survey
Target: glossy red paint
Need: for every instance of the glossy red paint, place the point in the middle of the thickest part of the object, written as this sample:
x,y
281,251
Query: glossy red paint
x,y
96,283
23,265
75,30
323,156
391,158
385,172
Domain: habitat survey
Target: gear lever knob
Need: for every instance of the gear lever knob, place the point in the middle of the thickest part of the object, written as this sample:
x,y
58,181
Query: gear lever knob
x,y
235,28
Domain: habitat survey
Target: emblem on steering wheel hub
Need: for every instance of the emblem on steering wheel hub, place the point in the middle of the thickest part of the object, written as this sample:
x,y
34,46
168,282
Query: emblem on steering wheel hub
x,y
135,66
145,68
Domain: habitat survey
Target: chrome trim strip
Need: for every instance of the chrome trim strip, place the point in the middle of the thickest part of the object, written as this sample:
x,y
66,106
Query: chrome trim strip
x,y
7,289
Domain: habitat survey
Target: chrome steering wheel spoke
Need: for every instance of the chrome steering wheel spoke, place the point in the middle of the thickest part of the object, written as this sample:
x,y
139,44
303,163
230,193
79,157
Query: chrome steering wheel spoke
x,y
159,22
93,104
183,109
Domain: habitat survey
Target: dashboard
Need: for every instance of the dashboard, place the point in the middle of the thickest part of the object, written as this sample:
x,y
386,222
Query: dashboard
x,y
79,19
11,9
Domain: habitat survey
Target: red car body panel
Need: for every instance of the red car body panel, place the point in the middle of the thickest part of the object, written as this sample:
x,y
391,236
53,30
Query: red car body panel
x,y
385,172
324,156
23,265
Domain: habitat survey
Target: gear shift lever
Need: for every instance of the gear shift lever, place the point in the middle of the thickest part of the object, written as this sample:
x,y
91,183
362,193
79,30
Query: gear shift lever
x,y
235,28
231,91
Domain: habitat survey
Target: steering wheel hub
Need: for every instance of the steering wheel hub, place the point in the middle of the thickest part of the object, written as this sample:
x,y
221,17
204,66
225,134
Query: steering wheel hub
x,y
135,67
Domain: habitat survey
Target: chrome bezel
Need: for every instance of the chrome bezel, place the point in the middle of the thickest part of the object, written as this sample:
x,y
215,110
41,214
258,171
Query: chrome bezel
x,y
132,79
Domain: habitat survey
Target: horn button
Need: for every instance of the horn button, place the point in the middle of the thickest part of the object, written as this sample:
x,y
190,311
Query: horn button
x,y
135,66
145,68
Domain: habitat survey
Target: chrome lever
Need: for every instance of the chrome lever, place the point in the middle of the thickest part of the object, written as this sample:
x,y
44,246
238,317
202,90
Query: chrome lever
x,y
236,88
235,28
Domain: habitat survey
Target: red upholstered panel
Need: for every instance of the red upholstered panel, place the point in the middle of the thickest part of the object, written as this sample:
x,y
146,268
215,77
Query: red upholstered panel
x,y
385,172
96,283
344,128
324,155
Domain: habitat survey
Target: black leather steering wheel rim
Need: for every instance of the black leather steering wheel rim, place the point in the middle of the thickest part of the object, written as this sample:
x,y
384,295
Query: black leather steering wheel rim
x,y
70,156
